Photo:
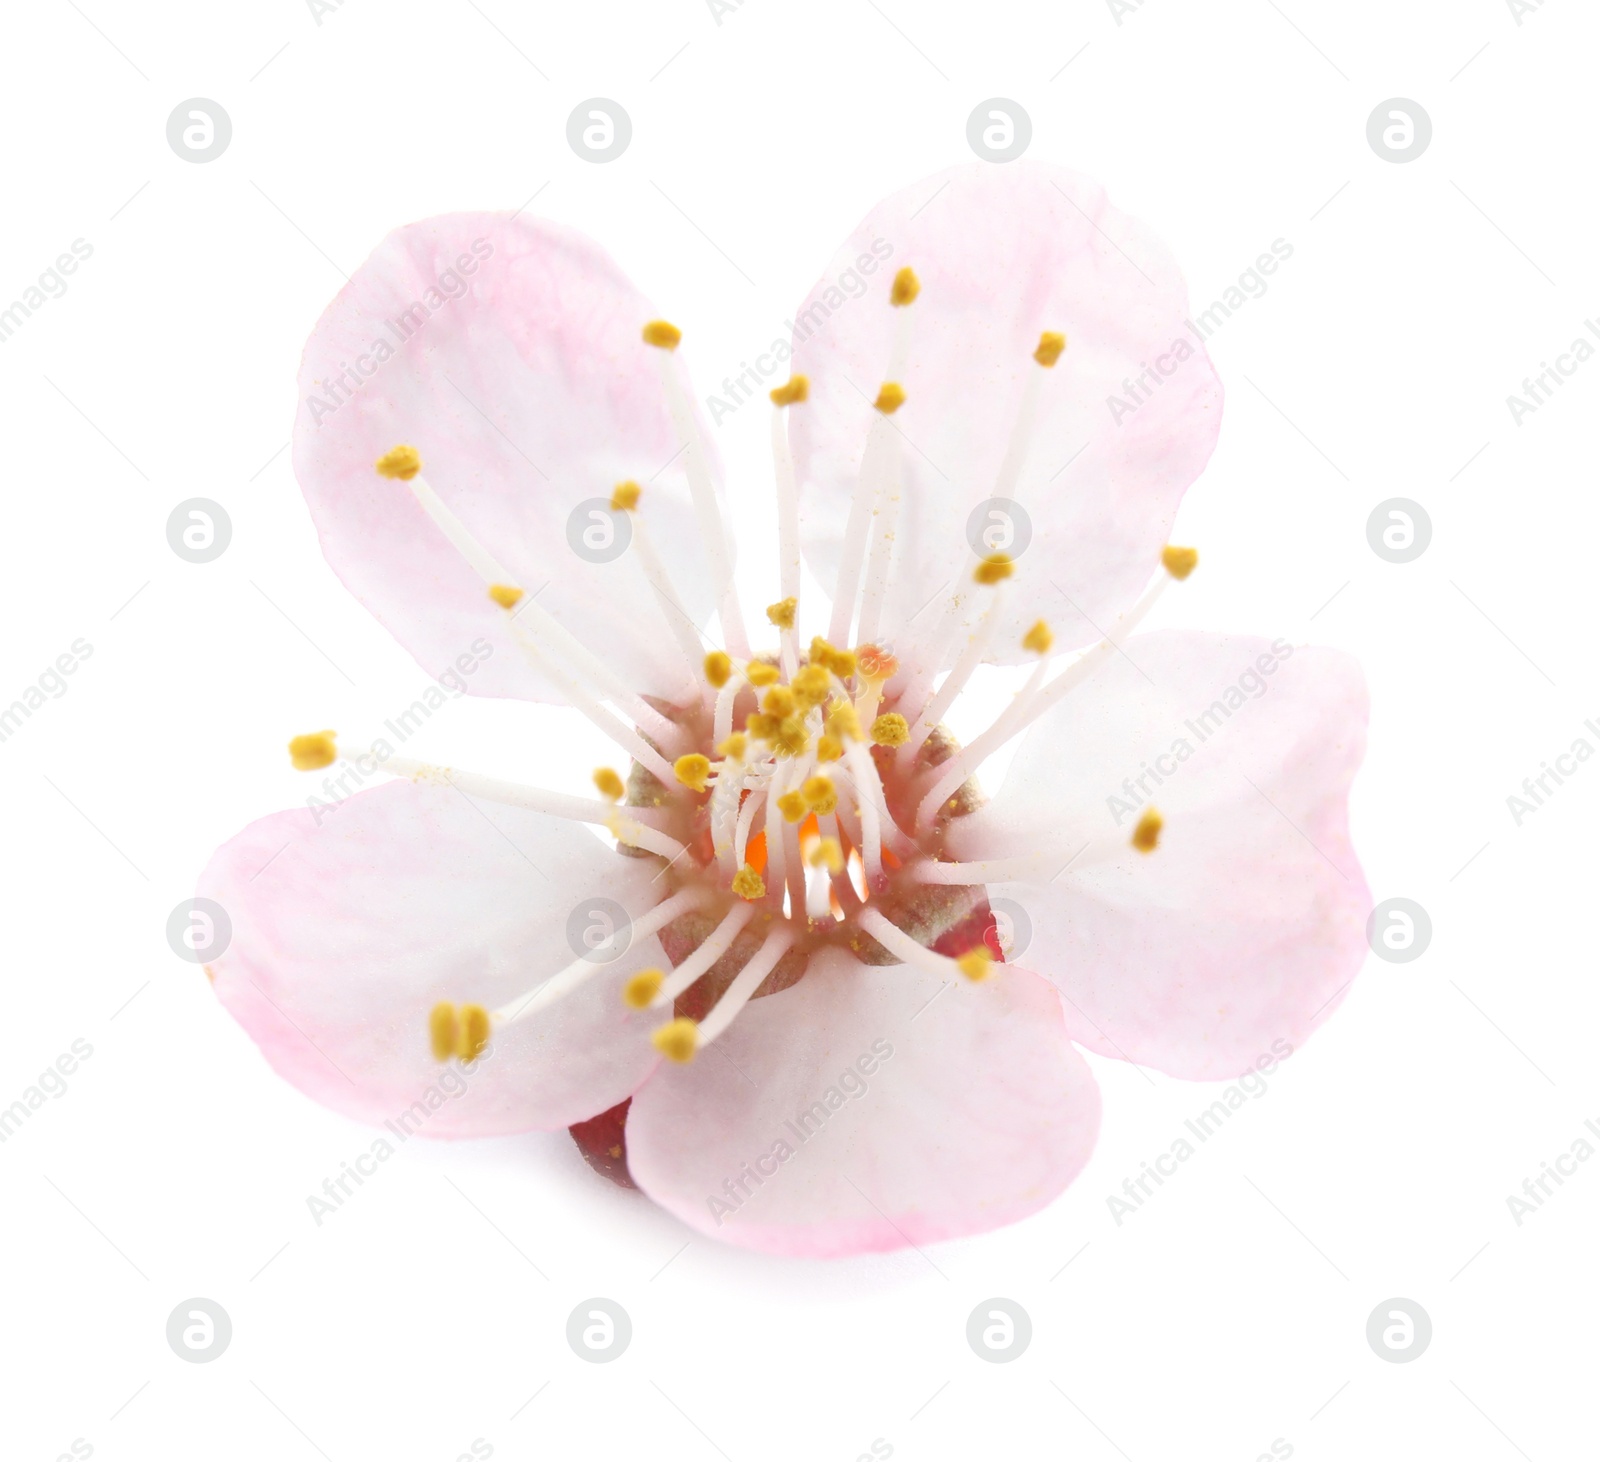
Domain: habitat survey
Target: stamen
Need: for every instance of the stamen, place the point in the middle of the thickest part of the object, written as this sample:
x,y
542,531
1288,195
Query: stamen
x,y
890,729
1038,639
793,391
718,669
745,985
748,884
819,795
1048,352
791,394
988,870
994,569
462,1032
506,596
1179,562
641,990
625,497
1027,708
313,751
442,1030
565,981
713,531
399,464
906,287
608,784
781,614
632,825
692,770
760,674
706,954
955,682
1147,834
891,397
677,1040
919,956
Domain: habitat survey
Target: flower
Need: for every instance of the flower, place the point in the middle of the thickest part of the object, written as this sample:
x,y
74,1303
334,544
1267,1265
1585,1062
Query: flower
x,y
825,1035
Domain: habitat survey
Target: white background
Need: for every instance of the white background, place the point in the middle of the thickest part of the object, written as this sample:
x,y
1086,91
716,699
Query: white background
x,y
1231,1310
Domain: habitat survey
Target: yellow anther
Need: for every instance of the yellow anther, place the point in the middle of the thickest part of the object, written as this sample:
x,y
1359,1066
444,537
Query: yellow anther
x,y
692,769
677,1040
747,883
472,1032
625,496
312,752
828,854
1051,344
442,1030
843,723
506,596
906,286
1179,562
760,674
829,748
718,668
642,988
793,806
811,686
608,784
791,392
735,747
819,795
891,397
1038,639
1148,832
662,334
993,569
760,725
779,702
402,463
789,736
890,729
975,964
839,662
781,614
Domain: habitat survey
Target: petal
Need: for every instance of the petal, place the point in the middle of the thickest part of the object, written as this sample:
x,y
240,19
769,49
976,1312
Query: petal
x,y
507,350
826,1122
1234,939
1004,254
345,935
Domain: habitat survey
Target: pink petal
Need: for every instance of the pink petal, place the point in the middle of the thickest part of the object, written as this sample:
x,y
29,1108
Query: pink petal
x,y
528,391
1005,253
347,934
1236,937
933,1115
